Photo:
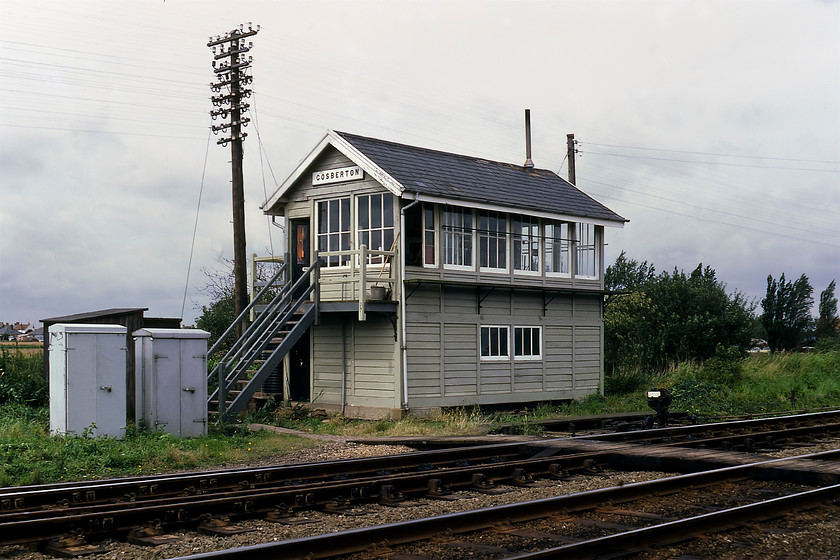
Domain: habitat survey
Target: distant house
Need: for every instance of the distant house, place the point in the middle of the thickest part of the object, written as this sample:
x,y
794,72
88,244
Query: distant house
x,y
444,280
32,335
7,332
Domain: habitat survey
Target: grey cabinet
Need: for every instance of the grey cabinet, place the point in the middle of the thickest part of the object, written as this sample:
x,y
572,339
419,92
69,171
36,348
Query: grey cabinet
x,y
87,379
171,380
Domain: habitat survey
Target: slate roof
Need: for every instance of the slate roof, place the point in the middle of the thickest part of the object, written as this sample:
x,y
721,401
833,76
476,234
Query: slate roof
x,y
476,180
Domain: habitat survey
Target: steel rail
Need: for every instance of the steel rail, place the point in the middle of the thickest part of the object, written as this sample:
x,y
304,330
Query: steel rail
x,y
357,540
115,517
90,492
676,432
765,437
683,529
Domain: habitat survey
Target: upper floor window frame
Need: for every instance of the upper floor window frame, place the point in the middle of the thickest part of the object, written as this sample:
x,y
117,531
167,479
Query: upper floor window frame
x,y
526,245
334,228
375,223
457,238
557,240
430,235
493,241
587,251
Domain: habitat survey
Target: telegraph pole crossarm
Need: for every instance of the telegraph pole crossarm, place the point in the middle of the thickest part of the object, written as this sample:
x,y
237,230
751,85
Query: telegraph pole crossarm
x,y
229,91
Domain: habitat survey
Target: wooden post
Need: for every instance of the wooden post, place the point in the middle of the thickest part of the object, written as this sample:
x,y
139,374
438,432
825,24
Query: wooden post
x,y
362,280
570,154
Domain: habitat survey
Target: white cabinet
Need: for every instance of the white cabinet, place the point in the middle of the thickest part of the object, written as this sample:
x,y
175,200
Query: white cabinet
x,y
87,379
171,380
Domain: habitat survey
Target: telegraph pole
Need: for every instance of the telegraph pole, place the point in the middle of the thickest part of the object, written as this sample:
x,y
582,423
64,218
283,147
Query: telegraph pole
x,y
229,90
570,155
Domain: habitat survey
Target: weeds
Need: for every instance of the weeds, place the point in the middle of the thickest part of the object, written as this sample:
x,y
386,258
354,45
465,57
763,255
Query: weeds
x,y
21,378
25,441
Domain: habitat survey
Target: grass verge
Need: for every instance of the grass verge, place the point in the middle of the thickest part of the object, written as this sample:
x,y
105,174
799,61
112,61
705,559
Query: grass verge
x,y
29,455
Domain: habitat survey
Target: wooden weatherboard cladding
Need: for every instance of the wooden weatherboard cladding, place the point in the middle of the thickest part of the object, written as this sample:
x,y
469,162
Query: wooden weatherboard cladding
x,y
444,362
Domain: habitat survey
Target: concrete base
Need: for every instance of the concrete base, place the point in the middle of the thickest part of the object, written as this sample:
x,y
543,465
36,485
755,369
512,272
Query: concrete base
x,y
361,412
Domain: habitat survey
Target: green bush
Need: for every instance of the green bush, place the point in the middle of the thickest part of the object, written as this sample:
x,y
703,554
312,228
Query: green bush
x,y
724,367
22,379
626,383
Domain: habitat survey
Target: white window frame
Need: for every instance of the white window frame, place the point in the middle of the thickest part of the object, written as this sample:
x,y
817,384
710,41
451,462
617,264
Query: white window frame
x,y
430,209
563,244
385,199
502,334
516,256
486,236
458,237
342,262
586,243
521,356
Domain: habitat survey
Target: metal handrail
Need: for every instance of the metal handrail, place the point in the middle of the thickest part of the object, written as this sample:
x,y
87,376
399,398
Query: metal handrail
x,y
247,309
248,348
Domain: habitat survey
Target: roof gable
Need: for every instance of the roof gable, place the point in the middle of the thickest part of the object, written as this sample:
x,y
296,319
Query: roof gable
x,y
451,177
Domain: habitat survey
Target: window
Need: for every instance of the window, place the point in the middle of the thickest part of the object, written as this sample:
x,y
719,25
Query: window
x,y
527,343
429,235
526,244
334,229
375,223
456,227
494,343
585,262
557,248
492,240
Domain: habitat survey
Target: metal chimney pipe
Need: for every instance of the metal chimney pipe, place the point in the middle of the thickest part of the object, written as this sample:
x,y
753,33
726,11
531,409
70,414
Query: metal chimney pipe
x,y
528,163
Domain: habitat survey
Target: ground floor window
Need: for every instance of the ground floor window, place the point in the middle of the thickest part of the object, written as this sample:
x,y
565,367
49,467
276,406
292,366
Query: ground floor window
x,y
494,343
527,343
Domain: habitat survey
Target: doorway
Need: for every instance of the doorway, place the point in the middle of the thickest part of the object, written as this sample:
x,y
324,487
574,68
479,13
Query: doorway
x,y
299,355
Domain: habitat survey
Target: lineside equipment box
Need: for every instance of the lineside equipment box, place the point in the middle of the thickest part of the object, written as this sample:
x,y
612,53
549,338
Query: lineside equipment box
x,y
87,379
171,380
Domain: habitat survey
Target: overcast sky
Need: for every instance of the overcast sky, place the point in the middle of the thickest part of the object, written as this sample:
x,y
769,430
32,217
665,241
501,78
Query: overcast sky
x,y
713,126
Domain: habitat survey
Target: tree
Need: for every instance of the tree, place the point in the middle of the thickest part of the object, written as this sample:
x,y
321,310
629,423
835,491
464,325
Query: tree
x,y
787,312
665,318
217,317
220,313
627,274
827,322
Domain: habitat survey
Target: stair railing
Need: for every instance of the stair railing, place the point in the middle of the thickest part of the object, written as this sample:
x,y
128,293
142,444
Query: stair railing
x,y
281,273
250,346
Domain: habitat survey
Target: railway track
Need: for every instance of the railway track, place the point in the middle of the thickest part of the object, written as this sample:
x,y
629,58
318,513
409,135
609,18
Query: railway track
x,y
611,521
146,509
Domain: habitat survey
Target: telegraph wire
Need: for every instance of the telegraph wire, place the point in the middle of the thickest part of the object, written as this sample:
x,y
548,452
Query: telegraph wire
x,y
118,133
813,239
711,153
195,226
728,164
738,216
261,149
